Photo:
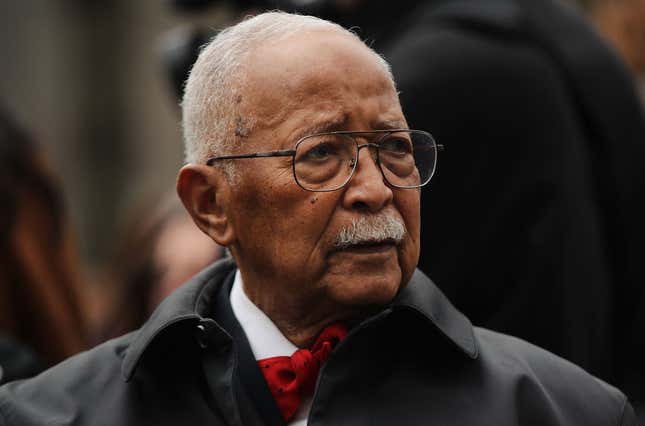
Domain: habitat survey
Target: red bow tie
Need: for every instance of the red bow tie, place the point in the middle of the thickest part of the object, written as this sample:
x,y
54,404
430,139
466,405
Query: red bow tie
x,y
291,378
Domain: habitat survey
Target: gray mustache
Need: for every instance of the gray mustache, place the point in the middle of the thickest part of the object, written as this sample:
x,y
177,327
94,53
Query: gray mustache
x,y
371,229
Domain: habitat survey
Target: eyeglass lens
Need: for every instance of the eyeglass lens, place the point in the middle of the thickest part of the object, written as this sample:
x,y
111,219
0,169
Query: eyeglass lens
x,y
326,162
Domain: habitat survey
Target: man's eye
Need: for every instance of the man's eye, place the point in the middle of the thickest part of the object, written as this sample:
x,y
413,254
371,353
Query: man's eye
x,y
319,152
398,145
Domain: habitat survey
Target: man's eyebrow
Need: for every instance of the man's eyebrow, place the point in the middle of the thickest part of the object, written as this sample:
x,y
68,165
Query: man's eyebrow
x,y
322,127
390,124
339,124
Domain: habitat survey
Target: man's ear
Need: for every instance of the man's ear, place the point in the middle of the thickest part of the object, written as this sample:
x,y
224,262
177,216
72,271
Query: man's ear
x,y
204,191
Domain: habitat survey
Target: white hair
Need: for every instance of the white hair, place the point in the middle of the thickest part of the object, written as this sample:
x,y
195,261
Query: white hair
x,y
211,115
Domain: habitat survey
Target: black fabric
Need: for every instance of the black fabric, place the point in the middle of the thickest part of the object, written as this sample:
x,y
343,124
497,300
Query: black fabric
x,y
16,361
435,369
249,374
533,223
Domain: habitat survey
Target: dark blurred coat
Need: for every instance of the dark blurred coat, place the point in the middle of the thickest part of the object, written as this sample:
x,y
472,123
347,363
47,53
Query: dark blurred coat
x,y
534,224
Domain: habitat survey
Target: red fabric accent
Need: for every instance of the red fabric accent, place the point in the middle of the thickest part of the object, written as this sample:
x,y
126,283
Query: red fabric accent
x,y
291,378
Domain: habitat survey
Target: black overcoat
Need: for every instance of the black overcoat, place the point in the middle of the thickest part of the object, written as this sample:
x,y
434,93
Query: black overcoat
x,y
417,362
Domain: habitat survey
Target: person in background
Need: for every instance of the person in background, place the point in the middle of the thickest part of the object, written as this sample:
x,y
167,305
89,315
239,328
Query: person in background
x,y
156,254
40,292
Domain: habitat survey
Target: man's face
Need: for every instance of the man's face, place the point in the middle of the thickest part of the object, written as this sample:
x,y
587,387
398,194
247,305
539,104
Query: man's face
x,y
285,235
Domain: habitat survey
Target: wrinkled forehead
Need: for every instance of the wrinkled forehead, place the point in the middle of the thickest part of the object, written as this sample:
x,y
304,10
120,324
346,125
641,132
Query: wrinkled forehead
x,y
323,67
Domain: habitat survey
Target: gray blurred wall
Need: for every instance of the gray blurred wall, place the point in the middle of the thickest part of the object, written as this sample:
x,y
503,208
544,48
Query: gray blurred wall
x,y
85,77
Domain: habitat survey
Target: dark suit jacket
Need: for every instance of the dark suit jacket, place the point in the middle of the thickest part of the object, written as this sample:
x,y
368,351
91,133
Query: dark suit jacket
x,y
416,362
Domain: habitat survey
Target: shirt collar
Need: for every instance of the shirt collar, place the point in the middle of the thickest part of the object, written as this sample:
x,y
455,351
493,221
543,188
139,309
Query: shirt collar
x,y
190,303
264,337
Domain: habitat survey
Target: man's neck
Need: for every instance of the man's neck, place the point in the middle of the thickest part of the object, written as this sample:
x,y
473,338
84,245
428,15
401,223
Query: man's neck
x,y
299,321
264,337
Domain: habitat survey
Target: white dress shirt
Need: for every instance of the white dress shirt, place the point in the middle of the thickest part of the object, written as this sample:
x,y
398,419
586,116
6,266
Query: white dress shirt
x,y
264,337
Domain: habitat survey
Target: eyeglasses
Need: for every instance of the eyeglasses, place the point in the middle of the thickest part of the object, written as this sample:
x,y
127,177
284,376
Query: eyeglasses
x,y
326,162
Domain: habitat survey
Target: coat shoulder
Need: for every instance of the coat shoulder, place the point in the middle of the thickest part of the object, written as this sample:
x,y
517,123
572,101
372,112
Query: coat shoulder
x,y
537,376
59,395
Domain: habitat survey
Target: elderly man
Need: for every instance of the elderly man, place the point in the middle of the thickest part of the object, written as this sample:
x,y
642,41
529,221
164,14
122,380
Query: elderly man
x,y
301,163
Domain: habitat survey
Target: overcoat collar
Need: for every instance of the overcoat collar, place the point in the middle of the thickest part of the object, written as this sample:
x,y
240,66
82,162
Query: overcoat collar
x,y
191,301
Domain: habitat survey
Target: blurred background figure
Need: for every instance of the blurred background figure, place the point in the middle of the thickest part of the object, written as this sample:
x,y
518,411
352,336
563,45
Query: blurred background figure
x,y
160,248
40,292
91,81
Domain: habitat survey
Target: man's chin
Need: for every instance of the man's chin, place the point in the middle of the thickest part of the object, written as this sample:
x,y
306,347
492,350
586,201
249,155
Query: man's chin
x,y
366,289
363,276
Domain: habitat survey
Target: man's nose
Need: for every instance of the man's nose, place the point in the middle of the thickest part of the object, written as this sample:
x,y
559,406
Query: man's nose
x,y
367,189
